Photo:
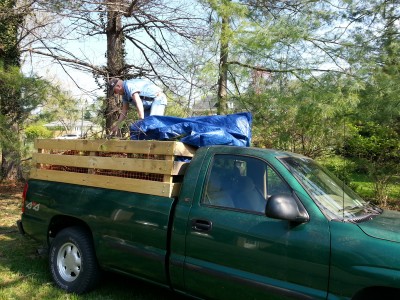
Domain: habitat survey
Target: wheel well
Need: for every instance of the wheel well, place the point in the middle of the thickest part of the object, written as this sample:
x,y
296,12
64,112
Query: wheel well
x,y
58,223
377,292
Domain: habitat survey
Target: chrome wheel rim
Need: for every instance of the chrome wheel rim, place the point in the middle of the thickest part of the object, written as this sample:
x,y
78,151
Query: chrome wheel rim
x,y
69,262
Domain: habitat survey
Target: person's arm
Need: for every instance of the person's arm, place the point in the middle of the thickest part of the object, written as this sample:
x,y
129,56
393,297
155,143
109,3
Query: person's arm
x,y
122,116
139,105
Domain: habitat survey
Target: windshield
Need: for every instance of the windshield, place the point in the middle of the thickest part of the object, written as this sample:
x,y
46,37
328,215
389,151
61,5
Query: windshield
x,y
335,199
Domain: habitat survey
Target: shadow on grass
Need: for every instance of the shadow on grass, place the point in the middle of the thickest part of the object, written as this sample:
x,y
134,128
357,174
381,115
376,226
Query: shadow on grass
x,y
22,266
124,286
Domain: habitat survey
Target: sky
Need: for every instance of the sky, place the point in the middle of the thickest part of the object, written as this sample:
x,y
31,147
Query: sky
x,y
79,84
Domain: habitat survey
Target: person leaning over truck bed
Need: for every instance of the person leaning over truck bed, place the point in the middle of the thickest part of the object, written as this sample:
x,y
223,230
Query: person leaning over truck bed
x,y
148,98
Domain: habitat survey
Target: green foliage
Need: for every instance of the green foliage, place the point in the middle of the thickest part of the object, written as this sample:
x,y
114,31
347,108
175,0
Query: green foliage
x,y
20,95
376,122
9,22
58,105
272,49
375,143
33,132
307,117
379,98
355,172
343,168
8,138
377,148
176,109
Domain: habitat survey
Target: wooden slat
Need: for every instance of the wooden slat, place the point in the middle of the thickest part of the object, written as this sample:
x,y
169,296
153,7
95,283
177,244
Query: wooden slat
x,y
95,162
119,146
113,163
168,177
107,163
124,184
183,150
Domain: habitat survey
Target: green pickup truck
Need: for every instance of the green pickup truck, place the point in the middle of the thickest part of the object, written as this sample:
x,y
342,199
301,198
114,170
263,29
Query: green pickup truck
x,y
246,223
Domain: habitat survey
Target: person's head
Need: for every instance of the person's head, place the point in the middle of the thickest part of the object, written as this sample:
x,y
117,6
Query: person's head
x,y
115,86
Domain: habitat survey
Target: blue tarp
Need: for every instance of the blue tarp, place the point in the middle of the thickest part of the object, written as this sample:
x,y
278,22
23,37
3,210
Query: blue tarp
x,y
234,129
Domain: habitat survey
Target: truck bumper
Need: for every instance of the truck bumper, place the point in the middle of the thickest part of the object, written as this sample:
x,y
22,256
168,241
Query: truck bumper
x,y
20,227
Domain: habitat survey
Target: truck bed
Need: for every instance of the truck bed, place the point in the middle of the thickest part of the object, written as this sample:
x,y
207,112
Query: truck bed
x,y
148,167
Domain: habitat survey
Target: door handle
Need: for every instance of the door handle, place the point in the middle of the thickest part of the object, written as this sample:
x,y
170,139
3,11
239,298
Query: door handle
x,y
201,225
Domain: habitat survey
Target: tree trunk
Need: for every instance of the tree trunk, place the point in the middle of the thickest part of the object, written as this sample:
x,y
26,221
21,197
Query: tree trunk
x,y
11,169
10,166
223,68
115,58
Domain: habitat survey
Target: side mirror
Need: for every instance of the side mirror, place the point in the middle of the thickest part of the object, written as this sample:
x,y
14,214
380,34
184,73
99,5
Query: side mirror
x,y
286,207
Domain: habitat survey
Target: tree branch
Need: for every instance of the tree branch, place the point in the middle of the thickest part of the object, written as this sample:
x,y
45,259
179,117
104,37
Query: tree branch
x,y
257,68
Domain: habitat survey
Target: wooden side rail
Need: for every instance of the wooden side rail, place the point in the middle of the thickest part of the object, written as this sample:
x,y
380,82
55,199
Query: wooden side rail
x,y
149,167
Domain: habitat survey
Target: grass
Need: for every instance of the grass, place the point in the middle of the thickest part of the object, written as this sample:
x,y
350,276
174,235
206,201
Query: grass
x,y
365,188
24,273
360,182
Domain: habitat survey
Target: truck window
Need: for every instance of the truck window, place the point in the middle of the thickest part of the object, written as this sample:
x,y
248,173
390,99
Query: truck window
x,y
241,182
275,184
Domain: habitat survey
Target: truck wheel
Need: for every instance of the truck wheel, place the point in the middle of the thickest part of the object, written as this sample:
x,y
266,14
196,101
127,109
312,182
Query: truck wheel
x,y
72,261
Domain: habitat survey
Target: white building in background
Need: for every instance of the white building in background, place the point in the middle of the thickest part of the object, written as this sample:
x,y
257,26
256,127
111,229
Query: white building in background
x,y
81,128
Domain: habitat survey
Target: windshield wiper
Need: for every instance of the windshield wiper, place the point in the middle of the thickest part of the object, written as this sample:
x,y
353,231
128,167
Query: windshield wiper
x,y
367,207
371,208
350,207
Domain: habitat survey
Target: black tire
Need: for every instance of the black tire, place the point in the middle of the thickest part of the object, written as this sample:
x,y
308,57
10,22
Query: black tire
x,y
72,261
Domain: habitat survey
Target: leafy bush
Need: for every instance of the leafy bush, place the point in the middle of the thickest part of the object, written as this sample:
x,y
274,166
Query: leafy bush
x,y
33,132
343,168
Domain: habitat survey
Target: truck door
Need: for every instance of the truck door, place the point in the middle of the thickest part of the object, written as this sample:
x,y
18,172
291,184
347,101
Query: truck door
x,y
233,251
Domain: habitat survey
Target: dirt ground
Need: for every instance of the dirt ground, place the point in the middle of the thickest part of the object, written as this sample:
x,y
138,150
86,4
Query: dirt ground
x,y
11,188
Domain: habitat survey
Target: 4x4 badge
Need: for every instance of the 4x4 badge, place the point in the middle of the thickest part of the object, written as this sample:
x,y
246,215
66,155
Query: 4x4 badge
x,y
33,205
